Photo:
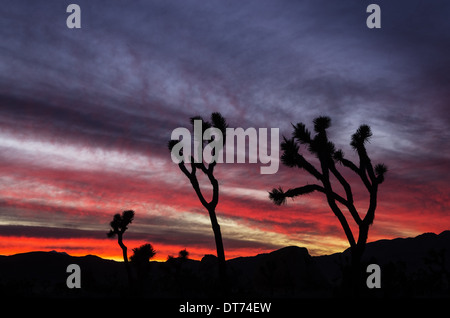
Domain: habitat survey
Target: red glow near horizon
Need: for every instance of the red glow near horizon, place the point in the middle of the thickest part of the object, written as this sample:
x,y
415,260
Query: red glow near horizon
x,y
48,192
107,248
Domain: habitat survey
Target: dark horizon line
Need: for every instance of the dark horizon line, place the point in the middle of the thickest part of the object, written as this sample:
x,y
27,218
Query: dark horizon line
x,y
290,246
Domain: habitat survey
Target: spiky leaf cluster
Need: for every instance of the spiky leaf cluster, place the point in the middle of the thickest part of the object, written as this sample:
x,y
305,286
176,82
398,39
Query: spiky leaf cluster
x,y
277,196
218,121
120,223
290,152
321,124
361,136
301,133
380,171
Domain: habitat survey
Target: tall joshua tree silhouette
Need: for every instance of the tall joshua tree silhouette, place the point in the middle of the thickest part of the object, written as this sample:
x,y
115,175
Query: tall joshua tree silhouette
x,y
119,225
328,157
217,121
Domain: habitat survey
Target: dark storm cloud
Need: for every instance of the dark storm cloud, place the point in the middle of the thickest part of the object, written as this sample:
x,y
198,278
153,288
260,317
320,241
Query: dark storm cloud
x,y
157,59
84,125
46,232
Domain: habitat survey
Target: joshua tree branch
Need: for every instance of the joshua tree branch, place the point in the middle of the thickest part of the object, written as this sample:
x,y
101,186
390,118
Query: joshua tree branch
x,y
360,172
279,196
193,179
185,170
324,163
365,163
347,163
195,184
215,185
343,182
303,190
211,166
197,190
370,215
348,192
303,163
342,220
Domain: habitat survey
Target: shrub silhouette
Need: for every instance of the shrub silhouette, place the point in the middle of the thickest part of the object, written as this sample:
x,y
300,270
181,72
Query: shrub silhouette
x,y
119,225
183,254
140,260
142,254
217,121
325,151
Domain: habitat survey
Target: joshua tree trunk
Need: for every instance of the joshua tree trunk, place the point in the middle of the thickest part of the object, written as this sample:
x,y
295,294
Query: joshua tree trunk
x,y
211,207
219,246
125,258
357,252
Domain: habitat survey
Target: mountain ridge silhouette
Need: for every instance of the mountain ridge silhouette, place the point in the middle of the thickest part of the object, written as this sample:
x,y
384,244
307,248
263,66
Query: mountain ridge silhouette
x,y
410,267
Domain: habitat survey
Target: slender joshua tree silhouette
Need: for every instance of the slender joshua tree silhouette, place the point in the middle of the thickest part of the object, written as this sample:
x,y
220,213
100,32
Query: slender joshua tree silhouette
x,y
119,225
328,157
217,121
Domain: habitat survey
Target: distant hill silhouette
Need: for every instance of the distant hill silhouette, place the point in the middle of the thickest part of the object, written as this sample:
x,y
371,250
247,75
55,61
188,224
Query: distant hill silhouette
x,y
44,274
410,267
287,272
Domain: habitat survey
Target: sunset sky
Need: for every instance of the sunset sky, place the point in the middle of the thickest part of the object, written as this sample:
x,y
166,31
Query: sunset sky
x,y
86,114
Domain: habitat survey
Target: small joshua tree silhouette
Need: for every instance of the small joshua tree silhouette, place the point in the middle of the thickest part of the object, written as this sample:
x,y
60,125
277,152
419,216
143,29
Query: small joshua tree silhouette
x,y
119,225
328,157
